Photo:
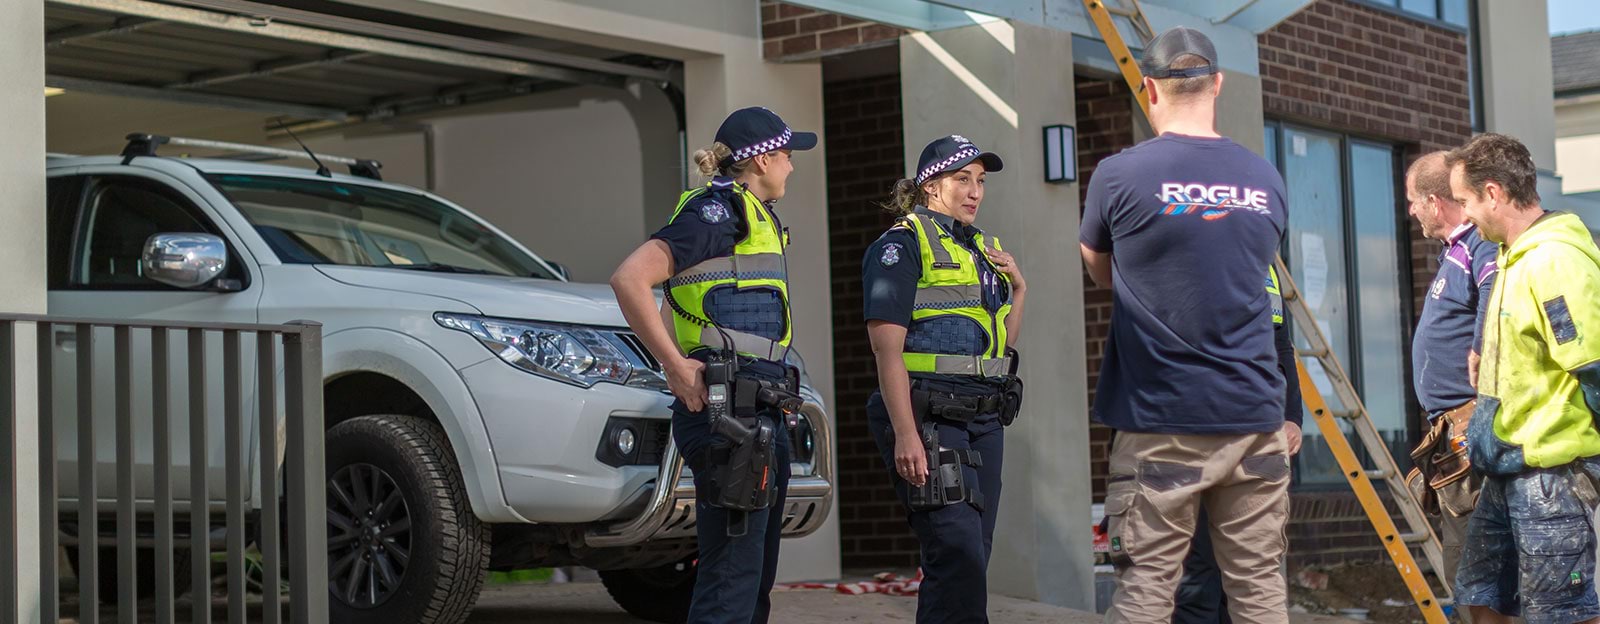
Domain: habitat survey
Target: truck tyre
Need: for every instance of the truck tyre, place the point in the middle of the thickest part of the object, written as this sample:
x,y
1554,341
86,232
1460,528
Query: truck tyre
x,y
403,543
182,578
655,594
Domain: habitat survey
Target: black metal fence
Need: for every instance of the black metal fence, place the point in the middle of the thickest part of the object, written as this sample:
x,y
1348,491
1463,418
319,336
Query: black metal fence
x,y
145,520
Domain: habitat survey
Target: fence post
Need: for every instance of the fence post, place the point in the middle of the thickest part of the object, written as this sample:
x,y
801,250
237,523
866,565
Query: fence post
x,y
307,482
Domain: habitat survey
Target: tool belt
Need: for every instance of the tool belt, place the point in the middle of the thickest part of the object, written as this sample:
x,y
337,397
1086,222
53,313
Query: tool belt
x,y
946,484
742,475
1441,459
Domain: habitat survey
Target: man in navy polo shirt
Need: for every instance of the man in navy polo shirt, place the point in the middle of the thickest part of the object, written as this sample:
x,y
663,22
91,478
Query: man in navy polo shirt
x,y
1190,377
1445,348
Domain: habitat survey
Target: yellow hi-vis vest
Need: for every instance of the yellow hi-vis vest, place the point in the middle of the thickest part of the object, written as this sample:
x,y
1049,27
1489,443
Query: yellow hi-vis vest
x,y
950,286
1275,294
757,262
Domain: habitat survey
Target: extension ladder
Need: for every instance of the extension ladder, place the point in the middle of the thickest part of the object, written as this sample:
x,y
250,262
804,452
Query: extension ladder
x,y
1398,544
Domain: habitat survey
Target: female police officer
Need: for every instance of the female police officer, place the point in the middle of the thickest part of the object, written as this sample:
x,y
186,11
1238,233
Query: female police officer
x,y
943,306
722,256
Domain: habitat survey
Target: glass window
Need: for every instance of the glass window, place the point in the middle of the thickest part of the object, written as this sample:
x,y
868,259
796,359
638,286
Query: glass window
x,y
1425,8
1376,229
329,222
121,214
1456,12
1317,263
1346,254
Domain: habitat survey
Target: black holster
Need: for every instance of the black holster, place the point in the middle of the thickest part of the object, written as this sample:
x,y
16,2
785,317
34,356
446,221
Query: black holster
x,y
742,476
946,484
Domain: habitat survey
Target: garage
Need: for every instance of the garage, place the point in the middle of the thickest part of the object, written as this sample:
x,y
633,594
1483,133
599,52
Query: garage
x,y
463,111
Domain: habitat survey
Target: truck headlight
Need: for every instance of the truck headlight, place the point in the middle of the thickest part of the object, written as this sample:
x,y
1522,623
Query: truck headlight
x,y
567,353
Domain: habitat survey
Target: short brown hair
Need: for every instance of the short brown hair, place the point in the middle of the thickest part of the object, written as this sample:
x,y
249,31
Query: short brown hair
x,y
1492,157
1183,88
1430,176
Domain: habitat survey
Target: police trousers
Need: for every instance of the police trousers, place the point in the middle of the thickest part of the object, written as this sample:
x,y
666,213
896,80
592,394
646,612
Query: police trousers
x,y
733,582
956,540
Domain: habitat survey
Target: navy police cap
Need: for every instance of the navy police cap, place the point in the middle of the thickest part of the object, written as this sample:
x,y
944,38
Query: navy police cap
x,y
750,132
951,153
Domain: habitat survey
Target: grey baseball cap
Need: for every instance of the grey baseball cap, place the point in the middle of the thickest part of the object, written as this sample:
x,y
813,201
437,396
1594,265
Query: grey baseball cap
x,y
1173,44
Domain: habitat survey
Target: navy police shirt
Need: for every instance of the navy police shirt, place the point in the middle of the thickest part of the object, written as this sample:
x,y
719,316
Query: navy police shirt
x,y
1192,224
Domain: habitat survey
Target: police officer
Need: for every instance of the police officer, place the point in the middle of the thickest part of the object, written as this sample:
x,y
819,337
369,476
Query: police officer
x,y
943,307
722,256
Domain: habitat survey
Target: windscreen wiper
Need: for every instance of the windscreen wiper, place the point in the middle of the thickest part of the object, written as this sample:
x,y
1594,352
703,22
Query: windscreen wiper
x,y
437,267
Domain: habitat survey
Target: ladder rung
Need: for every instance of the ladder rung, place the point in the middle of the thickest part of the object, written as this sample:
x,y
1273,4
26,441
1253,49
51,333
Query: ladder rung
x,y
1415,538
1378,474
1314,353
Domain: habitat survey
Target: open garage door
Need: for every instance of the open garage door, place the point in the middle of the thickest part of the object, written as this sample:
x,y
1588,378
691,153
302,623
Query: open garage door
x,y
309,65
487,118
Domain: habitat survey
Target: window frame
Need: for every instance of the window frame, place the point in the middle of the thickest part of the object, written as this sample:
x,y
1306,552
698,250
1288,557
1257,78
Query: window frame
x,y
88,186
1403,249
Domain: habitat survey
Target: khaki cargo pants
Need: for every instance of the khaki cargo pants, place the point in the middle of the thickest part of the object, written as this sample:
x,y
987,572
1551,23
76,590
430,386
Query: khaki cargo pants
x,y
1158,482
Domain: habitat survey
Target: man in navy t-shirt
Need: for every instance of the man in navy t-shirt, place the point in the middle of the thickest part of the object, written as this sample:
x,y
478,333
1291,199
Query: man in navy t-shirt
x,y
1182,227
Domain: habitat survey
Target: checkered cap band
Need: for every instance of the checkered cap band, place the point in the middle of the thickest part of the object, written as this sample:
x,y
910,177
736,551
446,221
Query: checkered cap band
x,y
939,167
763,147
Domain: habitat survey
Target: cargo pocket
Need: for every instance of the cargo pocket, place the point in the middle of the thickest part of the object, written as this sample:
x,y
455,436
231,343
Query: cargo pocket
x,y
1120,492
1557,559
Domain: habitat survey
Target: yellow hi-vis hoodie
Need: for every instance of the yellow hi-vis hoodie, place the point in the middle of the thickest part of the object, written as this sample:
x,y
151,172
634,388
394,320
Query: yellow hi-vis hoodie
x,y
1542,326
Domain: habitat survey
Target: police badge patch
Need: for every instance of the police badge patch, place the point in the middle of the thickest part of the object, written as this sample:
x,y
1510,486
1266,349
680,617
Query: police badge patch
x,y
713,212
891,255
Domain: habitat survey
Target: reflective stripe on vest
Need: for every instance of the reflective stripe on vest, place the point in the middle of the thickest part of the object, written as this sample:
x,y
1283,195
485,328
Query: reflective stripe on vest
x,y
1275,295
952,288
756,263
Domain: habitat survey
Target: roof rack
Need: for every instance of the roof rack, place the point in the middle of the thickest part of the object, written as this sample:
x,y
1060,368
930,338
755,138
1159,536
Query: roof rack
x,y
141,144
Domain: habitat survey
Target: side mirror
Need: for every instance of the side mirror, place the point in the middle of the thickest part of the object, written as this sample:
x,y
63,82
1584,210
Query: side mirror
x,y
184,260
561,270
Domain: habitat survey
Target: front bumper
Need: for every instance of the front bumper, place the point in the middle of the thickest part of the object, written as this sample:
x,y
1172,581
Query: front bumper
x,y
670,513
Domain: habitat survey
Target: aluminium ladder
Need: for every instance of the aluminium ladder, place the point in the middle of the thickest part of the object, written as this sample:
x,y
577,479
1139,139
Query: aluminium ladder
x,y
1395,542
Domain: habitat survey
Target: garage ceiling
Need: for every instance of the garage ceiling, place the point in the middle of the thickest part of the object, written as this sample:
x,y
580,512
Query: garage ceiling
x,y
307,64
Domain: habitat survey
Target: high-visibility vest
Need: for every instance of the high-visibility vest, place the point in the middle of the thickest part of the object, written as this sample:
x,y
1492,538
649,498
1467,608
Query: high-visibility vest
x,y
1275,294
757,264
950,297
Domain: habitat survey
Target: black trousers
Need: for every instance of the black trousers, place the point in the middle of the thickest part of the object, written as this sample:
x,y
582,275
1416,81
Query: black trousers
x,y
956,540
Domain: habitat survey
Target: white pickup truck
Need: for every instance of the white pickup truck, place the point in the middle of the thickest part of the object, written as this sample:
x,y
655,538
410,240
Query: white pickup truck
x,y
482,412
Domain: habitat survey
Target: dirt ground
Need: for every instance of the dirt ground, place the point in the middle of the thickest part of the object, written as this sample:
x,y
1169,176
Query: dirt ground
x,y
1376,587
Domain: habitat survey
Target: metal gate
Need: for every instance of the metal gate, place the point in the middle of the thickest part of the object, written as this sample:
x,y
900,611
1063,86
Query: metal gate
x,y
84,531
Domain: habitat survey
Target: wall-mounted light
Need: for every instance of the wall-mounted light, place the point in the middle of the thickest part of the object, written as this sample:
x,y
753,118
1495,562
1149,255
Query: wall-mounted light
x,y
1060,154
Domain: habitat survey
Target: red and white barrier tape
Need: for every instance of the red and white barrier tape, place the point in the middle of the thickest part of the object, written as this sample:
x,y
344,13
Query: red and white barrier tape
x,y
883,583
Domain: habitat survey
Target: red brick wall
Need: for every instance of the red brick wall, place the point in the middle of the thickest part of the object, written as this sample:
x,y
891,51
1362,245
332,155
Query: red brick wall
x,y
1105,110
795,33
1350,67
865,157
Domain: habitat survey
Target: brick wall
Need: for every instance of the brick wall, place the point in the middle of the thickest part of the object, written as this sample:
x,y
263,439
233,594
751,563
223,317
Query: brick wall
x,y
1105,110
1342,65
795,33
865,157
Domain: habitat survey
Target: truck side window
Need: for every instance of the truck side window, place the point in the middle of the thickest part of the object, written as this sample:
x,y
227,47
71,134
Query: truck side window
x,y
64,194
120,214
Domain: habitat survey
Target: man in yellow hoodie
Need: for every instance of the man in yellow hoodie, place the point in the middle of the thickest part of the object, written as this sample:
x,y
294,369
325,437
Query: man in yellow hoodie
x,y
1530,546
